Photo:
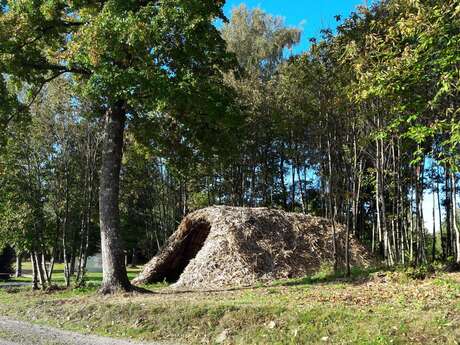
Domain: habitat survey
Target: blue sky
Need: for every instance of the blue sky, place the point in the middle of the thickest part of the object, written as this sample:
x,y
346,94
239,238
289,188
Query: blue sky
x,y
309,15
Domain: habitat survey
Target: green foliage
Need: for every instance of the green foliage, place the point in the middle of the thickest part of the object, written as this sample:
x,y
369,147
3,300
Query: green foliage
x,y
421,272
413,64
164,59
259,40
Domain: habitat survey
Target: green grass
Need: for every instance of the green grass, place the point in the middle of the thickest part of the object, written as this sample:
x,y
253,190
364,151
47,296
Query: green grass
x,y
58,274
368,308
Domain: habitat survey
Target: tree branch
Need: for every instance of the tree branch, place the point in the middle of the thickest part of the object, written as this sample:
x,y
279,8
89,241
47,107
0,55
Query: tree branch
x,y
58,68
34,97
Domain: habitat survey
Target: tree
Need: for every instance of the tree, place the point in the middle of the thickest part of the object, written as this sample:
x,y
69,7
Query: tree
x,y
260,42
129,57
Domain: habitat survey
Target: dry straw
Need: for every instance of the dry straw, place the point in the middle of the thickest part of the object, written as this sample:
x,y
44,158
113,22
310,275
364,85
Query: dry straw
x,y
233,246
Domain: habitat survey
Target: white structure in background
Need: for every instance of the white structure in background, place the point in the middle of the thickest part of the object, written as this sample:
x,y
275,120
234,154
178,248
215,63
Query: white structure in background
x,y
94,263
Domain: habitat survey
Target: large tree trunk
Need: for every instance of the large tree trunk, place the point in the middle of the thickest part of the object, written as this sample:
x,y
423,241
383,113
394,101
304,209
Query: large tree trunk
x,y
115,278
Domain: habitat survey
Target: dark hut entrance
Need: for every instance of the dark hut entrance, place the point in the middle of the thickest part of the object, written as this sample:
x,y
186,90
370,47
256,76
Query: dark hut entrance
x,y
185,250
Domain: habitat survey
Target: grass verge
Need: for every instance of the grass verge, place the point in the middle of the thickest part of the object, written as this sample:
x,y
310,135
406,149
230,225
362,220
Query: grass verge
x,y
369,308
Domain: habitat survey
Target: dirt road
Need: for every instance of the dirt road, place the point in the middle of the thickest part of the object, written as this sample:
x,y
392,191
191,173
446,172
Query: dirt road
x,y
14,332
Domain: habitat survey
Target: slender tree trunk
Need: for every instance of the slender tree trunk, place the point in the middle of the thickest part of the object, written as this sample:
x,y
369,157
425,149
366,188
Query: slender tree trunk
x,y
18,272
293,185
39,269
82,239
34,272
403,237
73,253
83,250
347,247
301,188
65,229
401,206
443,249
454,217
66,267
134,258
386,236
433,249
421,255
64,250
380,202
51,266
448,205
45,269
283,182
115,277
373,235
411,234
332,206
157,242
395,220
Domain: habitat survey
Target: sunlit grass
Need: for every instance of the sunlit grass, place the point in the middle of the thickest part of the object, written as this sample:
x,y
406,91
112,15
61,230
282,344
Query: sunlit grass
x,y
368,308
94,278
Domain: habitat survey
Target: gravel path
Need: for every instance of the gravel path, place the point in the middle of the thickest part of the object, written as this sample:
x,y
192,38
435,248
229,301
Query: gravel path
x,y
22,333
4,342
13,285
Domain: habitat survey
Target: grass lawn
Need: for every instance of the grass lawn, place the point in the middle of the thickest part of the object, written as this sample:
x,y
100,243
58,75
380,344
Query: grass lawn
x,y
370,308
58,274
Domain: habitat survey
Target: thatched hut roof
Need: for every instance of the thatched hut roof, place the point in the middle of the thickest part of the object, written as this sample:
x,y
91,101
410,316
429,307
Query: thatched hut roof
x,y
235,246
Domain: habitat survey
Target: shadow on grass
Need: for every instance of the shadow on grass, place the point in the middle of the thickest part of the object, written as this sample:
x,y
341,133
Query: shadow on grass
x,y
358,276
324,276
58,277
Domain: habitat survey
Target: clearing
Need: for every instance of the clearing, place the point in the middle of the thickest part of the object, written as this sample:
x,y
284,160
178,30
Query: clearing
x,y
370,308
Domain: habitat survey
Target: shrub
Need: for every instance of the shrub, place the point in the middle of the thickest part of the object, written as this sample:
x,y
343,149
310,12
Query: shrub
x,y
420,273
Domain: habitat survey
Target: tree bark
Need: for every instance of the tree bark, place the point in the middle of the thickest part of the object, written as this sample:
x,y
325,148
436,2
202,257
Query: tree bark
x,y
454,217
39,270
115,278
18,272
433,248
421,255
443,249
332,206
34,272
448,205
282,183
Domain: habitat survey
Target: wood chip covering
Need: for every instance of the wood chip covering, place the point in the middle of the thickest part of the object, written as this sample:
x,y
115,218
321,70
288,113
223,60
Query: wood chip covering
x,y
224,246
